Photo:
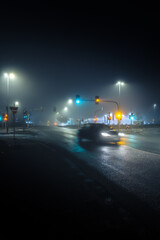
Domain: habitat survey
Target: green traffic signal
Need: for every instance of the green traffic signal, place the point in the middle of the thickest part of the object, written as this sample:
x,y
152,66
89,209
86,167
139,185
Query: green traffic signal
x,y
77,99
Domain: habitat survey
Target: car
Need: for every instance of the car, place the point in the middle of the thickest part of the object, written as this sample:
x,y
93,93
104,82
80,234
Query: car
x,y
99,133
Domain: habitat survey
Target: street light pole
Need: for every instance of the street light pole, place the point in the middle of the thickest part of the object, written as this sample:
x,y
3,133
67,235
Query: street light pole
x,y
7,102
119,89
8,77
119,86
154,106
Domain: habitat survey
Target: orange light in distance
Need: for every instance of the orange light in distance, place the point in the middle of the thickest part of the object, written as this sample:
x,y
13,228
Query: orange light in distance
x,y
118,115
95,119
5,117
97,99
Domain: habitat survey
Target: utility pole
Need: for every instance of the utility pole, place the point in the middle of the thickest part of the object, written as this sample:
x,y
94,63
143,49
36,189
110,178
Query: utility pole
x,y
97,101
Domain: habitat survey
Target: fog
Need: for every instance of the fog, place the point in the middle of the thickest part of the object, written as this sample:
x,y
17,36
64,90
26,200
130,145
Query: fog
x,y
48,91
61,53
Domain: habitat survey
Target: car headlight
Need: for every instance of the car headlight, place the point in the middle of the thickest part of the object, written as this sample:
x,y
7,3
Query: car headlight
x,y
121,134
105,134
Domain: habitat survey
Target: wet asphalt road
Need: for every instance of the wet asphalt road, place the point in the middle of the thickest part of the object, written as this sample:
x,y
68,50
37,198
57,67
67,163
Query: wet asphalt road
x,y
126,172
133,164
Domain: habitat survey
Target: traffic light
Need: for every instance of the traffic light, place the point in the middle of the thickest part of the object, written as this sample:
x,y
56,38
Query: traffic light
x,y
131,116
5,118
0,118
77,99
97,99
118,115
109,117
24,114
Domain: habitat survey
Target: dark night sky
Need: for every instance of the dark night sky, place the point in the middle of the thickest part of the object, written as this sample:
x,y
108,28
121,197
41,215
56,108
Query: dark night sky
x,y
58,52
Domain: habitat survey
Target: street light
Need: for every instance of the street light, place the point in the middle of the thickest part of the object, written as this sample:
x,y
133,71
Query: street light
x,y
154,105
8,77
70,101
65,109
16,103
120,84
